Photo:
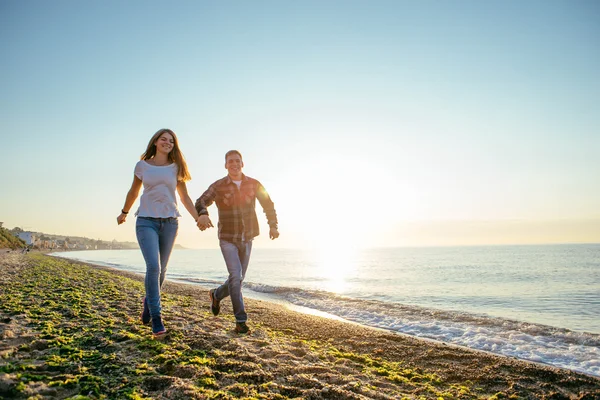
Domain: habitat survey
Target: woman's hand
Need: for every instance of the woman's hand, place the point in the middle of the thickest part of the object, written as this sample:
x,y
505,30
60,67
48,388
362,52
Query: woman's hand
x,y
133,193
121,218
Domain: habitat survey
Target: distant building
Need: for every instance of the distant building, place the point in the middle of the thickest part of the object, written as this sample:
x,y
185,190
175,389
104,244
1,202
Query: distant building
x,y
44,243
27,237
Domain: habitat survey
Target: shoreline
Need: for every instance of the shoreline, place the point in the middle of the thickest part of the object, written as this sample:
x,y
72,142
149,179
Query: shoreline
x,y
524,308
531,341
288,354
258,296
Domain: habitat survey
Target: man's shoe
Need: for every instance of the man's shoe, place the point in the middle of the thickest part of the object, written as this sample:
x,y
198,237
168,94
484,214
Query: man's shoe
x,y
158,329
215,305
241,327
145,316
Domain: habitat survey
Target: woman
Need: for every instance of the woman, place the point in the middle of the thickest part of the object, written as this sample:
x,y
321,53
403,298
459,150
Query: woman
x,y
161,170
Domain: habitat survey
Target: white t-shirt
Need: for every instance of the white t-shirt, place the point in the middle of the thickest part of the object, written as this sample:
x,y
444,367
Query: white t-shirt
x,y
158,199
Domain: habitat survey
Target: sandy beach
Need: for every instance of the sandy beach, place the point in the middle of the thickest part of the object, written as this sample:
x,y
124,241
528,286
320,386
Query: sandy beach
x,y
72,329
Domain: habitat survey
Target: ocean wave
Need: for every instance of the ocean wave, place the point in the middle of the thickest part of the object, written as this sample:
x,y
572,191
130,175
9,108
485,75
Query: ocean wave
x,y
578,351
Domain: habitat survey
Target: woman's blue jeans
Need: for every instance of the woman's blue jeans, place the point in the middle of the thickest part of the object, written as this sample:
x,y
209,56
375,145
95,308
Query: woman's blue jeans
x,y
237,257
156,237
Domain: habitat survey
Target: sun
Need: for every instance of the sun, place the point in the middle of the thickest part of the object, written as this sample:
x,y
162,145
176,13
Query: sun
x,y
339,202
333,214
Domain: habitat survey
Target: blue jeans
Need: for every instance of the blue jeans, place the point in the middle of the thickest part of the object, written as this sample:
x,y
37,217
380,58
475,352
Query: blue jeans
x,y
156,237
237,257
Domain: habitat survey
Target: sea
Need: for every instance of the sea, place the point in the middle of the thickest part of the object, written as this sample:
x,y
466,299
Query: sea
x,y
533,302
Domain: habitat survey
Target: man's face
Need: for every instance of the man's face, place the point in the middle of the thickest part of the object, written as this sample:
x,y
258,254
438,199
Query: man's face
x,y
234,165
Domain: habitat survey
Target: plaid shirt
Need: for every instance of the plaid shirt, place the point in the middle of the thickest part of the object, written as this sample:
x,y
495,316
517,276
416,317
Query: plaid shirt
x,y
237,215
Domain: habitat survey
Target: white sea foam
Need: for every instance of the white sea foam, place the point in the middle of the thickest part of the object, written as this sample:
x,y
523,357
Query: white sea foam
x,y
562,348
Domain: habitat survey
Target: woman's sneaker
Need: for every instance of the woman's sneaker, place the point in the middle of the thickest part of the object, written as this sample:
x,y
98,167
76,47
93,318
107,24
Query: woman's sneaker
x,y
158,329
241,327
145,316
215,305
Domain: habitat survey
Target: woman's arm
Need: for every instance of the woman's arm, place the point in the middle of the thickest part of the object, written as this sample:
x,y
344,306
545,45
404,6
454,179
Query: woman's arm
x,y
185,199
132,195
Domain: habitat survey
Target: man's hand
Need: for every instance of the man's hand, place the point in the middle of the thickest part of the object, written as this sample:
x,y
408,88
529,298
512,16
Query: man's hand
x,y
273,233
203,222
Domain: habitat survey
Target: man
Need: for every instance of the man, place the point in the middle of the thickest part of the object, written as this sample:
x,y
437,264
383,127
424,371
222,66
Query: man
x,y
235,196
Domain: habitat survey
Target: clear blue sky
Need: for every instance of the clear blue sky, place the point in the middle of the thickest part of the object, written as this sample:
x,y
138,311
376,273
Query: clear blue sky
x,y
374,122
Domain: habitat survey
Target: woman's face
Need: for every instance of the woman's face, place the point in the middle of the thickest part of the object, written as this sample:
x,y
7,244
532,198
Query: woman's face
x,y
165,143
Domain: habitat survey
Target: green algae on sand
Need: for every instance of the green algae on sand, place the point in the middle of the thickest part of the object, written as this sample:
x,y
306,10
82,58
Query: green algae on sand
x,y
71,330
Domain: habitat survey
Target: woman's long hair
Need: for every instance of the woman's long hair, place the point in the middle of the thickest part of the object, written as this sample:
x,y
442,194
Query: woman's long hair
x,y
175,155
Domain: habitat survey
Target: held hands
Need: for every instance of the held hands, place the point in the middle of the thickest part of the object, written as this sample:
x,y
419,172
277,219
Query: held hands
x,y
273,233
203,222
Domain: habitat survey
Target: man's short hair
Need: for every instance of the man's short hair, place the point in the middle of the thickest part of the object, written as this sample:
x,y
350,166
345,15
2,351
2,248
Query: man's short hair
x,y
230,152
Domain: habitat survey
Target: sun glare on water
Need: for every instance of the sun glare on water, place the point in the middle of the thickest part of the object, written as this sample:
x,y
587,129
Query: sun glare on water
x,y
336,266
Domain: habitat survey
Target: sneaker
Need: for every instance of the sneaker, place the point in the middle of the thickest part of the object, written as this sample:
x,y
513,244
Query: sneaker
x,y
215,305
158,329
145,316
241,327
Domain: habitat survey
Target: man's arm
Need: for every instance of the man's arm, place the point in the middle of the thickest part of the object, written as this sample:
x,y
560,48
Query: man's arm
x,y
269,209
205,201
208,197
